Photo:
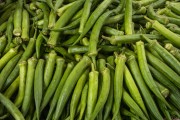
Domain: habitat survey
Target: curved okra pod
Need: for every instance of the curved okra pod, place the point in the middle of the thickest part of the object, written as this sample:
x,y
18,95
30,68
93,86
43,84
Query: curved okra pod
x,y
72,25
146,72
92,52
11,53
68,70
150,103
12,88
69,85
38,85
77,94
11,107
85,14
164,69
132,104
164,80
166,56
22,81
8,68
28,95
27,53
93,17
118,83
134,92
60,62
62,21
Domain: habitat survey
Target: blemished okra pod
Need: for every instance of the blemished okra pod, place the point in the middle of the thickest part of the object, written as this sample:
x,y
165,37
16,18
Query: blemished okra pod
x,y
69,85
83,101
62,21
28,96
25,25
93,17
164,69
49,68
38,85
133,89
85,14
92,91
76,94
27,53
128,17
67,71
11,107
22,77
54,83
5,58
132,104
149,102
118,82
167,57
103,95
146,72
8,68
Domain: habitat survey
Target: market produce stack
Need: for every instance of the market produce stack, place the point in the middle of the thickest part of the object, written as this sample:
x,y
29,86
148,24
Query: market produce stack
x,y
89,59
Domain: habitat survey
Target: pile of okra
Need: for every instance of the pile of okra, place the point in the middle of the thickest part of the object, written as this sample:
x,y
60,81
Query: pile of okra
x,y
89,59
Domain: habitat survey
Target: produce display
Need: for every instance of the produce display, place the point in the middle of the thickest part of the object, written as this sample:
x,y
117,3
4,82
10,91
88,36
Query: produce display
x,y
89,59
